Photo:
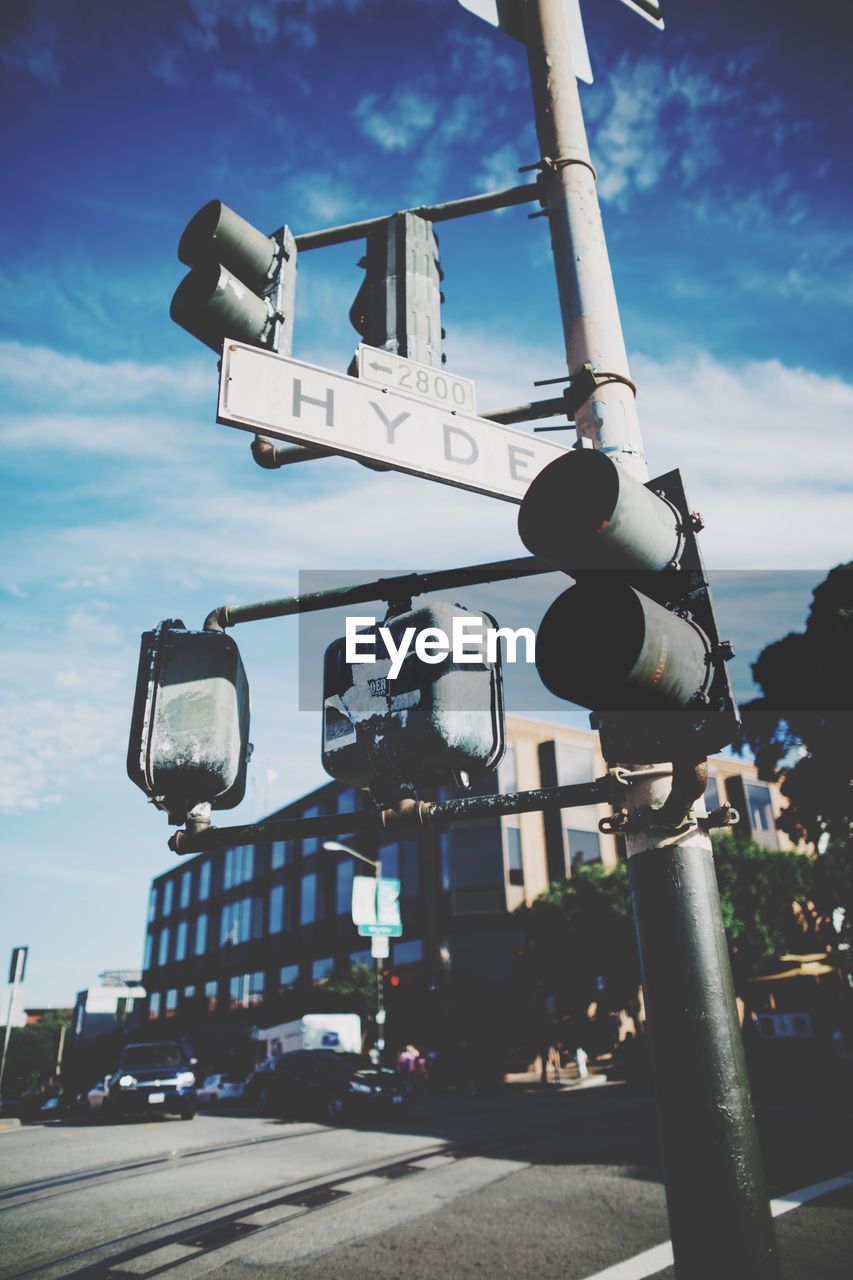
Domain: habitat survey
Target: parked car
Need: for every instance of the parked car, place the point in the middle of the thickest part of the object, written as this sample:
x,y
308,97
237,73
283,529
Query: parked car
x,y
148,1078
323,1084
218,1089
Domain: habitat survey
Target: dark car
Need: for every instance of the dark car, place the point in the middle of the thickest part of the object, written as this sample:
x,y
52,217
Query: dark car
x,y
151,1077
324,1084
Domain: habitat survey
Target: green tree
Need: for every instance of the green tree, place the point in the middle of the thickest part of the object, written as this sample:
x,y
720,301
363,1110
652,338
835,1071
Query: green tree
x,y
806,680
33,1050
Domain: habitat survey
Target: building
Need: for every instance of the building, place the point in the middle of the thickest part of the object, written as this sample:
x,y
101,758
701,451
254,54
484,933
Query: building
x,y
101,1009
250,935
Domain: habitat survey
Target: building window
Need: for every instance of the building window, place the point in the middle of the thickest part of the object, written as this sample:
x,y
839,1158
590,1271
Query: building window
x,y
246,990
204,882
574,765
712,793
322,970
201,934
400,861
512,843
310,906
507,776
181,941
471,856
189,992
343,887
288,976
152,904
168,895
171,1003
348,800
760,808
311,844
276,909
281,854
239,865
410,952
163,949
186,888
361,957
240,921
149,947
210,994
154,1005
584,846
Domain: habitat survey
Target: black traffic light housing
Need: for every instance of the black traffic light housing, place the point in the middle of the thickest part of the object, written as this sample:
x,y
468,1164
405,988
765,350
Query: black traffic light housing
x,y
242,284
189,732
398,307
635,639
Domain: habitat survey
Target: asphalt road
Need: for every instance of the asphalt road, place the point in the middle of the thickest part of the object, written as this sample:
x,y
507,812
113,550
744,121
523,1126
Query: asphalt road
x,y
544,1183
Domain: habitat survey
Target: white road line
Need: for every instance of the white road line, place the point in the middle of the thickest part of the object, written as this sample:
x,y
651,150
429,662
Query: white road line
x,y
651,1261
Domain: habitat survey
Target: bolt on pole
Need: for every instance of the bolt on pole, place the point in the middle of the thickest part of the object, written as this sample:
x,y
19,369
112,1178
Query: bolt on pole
x,y
716,1196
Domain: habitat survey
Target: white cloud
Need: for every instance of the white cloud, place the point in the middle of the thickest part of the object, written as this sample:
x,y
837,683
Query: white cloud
x,y
397,121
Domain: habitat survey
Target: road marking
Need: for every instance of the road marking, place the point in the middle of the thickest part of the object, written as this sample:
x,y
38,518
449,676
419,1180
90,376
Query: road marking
x,y
651,1261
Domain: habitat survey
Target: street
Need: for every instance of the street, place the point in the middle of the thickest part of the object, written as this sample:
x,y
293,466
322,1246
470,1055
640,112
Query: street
x,y
552,1181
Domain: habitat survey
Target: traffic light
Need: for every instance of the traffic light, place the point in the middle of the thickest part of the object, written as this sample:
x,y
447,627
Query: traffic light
x,y
635,639
242,283
421,722
398,306
189,733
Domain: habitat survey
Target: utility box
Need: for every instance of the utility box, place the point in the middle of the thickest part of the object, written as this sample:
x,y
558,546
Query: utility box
x,y
189,734
425,724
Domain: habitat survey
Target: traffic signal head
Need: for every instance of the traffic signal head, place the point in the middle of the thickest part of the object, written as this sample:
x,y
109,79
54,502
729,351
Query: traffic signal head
x,y
241,284
189,733
398,307
421,721
635,639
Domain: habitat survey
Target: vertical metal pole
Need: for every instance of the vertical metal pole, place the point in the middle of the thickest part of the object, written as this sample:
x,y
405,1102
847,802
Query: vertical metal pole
x,y
717,1201
8,1034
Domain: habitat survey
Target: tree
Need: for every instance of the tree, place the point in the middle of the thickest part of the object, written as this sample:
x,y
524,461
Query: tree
x,y
33,1051
806,680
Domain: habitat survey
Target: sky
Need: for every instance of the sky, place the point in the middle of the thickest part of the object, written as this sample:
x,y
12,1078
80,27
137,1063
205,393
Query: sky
x,y
722,149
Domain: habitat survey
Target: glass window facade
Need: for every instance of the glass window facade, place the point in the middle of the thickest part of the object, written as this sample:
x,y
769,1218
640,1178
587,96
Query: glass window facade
x,y
322,970
515,866
171,1002
168,897
281,854
471,857
246,990
152,904
186,888
361,957
760,808
311,844
343,887
201,934
400,860
310,906
276,908
154,1005
239,922
210,995
181,941
583,846
712,793
149,948
409,952
204,882
163,948
239,866
288,976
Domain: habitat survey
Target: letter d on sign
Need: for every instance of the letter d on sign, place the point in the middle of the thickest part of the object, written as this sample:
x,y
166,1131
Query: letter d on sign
x,y
472,451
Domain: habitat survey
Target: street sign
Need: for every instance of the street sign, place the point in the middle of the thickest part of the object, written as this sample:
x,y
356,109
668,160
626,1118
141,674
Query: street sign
x,y
508,16
18,964
385,369
648,9
380,930
260,391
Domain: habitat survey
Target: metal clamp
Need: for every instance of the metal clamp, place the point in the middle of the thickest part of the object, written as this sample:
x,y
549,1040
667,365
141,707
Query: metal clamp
x,y
555,163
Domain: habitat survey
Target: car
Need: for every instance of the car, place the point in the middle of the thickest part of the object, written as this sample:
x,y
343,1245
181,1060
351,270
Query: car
x,y
220,1088
326,1085
150,1077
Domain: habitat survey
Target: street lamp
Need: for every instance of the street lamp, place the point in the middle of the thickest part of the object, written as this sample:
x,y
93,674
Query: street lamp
x,y
334,846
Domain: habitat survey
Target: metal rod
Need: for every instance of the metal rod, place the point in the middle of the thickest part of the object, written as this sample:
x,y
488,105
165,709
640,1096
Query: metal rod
x,y
527,412
379,820
432,212
717,1200
402,587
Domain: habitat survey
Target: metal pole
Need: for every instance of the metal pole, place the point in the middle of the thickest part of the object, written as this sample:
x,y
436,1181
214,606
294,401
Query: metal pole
x,y
716,1197
8,1035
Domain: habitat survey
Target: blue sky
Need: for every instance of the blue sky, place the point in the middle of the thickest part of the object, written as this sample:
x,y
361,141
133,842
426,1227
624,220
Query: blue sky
x,y
722,146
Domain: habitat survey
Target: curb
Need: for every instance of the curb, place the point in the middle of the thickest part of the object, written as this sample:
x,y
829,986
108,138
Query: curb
x,y
10,1123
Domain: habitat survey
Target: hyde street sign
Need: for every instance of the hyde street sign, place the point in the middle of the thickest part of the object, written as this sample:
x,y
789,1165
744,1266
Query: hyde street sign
x,y
290,400
399,373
